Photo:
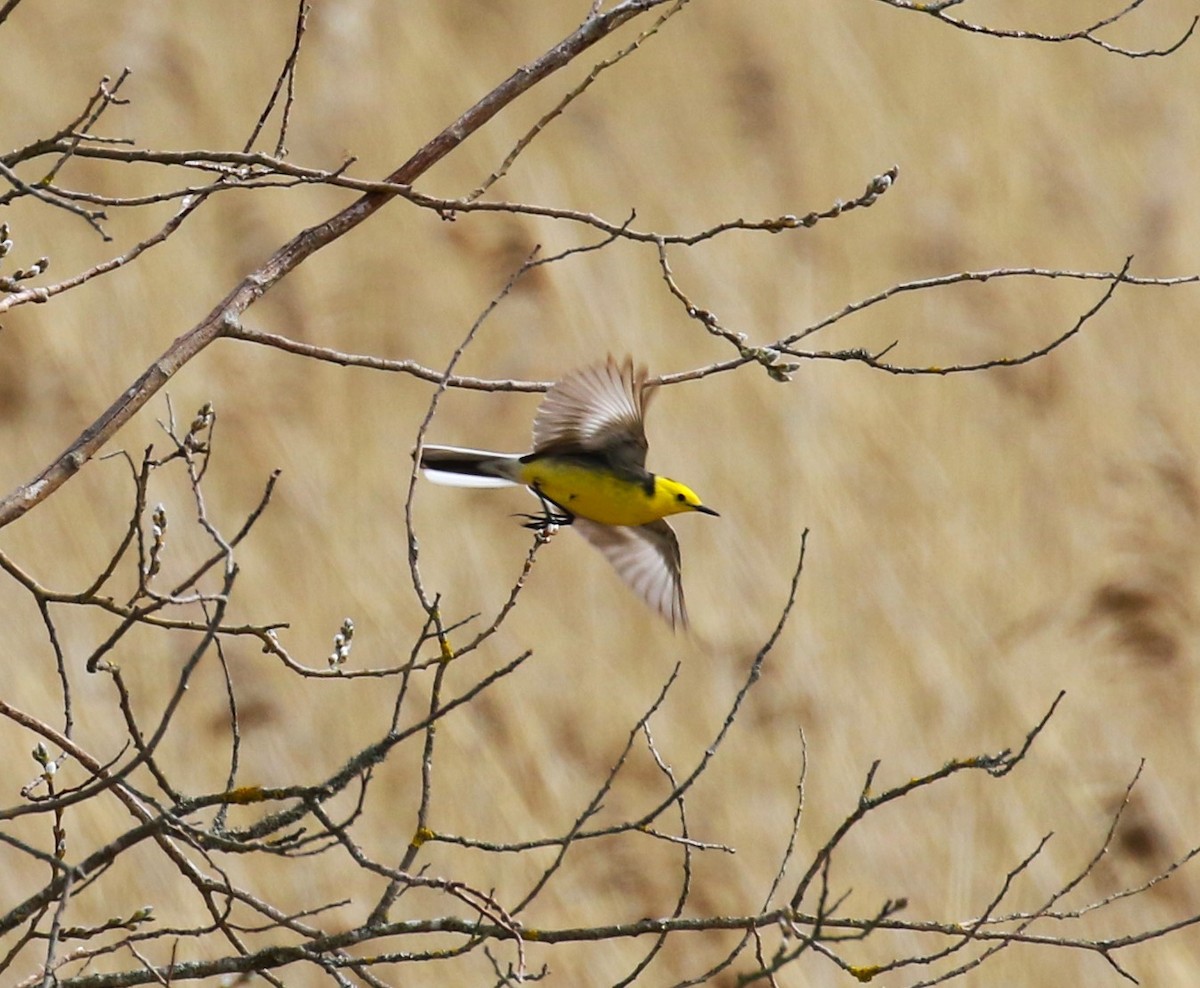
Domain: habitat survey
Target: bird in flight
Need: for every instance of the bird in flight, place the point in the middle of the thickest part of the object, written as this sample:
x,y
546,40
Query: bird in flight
x,y
588,469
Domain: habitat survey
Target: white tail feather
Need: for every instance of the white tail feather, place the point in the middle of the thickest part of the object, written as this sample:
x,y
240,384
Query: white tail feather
x,y
448,479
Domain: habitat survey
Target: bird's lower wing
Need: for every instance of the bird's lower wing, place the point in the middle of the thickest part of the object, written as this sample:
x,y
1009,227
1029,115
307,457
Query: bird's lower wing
x,y
646,557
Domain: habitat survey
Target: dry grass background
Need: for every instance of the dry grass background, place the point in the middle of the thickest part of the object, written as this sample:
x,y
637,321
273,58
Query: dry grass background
x,y
977,543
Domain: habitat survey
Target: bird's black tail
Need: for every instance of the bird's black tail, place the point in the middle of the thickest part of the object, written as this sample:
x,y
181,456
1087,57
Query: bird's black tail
x,y
459,467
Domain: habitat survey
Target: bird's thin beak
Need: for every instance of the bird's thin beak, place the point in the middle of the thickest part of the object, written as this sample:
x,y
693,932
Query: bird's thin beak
x,y
707,510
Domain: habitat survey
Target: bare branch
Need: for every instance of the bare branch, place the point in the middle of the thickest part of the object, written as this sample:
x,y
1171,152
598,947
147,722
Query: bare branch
x,y
937,9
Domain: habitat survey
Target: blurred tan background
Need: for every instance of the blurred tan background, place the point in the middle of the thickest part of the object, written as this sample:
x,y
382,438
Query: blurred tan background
x,y
977,543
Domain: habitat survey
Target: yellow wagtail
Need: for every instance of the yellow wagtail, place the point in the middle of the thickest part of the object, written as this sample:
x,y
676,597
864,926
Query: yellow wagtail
x,y
588,468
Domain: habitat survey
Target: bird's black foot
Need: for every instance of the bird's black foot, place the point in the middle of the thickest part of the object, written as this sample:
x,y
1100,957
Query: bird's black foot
x,y
552,516
545,521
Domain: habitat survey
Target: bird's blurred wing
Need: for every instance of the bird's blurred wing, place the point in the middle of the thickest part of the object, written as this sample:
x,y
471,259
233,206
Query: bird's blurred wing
x,y
646,557
599,409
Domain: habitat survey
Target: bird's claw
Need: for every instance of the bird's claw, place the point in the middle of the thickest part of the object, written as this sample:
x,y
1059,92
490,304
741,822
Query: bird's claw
x,y
546,523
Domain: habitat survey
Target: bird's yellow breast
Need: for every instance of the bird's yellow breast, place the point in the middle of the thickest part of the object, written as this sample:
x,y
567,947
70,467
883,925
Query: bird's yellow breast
x,y
598,494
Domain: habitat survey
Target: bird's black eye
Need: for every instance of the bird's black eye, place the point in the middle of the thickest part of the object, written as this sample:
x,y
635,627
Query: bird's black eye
x,y
680,497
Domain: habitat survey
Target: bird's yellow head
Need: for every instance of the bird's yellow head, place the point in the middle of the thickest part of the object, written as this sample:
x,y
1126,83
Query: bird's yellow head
x,y
674,497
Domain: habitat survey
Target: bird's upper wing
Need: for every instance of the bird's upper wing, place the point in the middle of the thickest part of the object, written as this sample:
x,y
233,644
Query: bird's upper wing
x,y
599,409
647,558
